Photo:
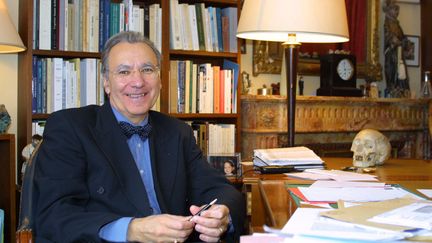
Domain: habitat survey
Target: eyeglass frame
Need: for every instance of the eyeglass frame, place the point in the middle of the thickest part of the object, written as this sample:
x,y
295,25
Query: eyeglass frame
x,y
131,71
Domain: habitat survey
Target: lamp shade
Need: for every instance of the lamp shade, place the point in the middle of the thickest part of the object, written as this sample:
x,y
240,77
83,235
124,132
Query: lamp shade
x,y
318,21
10,41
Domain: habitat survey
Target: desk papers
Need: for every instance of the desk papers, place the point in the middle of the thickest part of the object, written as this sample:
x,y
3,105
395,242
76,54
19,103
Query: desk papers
x,y
416,215
300,157
337,175
426,192
363,213
309,222
338,184
353,194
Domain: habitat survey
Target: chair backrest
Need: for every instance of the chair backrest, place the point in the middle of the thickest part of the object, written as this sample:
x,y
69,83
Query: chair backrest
x,y
24,233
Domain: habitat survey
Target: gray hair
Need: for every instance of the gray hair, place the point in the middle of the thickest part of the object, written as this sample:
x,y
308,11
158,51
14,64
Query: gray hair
x,y
130,37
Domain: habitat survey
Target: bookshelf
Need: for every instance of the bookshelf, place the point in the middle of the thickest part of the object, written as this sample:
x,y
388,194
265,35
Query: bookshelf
x,y
25,114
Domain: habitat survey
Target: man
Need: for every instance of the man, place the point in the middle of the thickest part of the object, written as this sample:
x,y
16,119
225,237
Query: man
x,y
95,182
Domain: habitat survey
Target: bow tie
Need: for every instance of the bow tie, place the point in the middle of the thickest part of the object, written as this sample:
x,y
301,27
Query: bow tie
x,y
129,130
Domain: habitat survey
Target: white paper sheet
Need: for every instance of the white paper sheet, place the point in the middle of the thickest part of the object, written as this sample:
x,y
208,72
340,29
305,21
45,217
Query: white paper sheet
x,y
335,184
353,194
306,221
426,192
416,215
339,175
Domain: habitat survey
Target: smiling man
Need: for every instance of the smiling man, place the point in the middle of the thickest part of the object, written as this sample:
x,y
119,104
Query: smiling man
x,y
120,172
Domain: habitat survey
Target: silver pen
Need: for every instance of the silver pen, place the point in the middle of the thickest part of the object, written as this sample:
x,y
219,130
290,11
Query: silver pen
x,y
204,208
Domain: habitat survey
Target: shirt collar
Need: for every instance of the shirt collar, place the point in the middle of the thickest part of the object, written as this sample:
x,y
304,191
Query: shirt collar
x,y
120,118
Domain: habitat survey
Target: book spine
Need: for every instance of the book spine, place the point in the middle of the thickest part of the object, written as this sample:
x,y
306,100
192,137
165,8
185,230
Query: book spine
x,y
200,28
146,21
54,24
45,24
34,84
181,86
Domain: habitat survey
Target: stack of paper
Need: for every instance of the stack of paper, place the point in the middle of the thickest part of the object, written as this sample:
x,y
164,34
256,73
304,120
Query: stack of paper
x,y
308,222
299,157
386,220
337,175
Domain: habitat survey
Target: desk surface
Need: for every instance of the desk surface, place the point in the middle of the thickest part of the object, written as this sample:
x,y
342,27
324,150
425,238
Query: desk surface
x,y
278,205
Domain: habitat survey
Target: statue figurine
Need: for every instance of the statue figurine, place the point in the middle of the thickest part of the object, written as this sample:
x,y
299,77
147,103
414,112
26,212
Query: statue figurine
x,y
246,83
5,119
27,151
394,62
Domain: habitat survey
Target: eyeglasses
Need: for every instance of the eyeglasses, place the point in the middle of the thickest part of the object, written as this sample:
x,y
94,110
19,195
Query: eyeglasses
x,y
145,72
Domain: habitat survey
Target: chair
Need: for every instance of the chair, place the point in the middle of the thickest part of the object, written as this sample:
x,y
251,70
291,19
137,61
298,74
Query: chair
x,y
1,226
24,233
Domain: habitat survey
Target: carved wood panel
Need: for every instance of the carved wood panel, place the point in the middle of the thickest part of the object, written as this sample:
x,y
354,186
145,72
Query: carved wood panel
x,y
334,120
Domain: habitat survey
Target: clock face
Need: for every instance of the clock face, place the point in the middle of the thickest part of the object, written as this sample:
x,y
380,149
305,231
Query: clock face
x,y
345,69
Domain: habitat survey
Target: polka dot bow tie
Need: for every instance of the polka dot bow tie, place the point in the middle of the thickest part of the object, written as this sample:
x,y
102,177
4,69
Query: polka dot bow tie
x,y
129,130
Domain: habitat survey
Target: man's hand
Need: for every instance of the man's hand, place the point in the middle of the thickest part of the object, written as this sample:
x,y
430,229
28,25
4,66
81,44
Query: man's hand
x,y
212,223
160,228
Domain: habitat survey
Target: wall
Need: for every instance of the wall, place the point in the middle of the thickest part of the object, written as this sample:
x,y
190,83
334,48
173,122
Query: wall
x,y
409,18
9,74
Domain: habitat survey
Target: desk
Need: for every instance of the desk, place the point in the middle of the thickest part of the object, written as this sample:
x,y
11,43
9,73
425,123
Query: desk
x,y
269,202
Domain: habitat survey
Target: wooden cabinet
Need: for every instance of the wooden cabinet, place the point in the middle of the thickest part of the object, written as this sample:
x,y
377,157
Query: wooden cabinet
x,y
25,115
7,185
328,125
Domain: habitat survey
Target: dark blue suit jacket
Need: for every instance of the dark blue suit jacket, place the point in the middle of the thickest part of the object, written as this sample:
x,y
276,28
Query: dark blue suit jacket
x,y
86,177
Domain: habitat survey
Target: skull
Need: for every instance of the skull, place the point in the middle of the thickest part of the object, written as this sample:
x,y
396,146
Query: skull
x,y
370,148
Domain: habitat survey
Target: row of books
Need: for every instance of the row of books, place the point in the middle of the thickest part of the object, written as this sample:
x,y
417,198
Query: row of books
x,y
214,138
59,83
203,88
211,138
196,27
85,25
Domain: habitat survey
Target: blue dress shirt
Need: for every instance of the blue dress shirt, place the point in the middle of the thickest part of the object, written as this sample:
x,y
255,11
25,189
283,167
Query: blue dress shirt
x,y
116,231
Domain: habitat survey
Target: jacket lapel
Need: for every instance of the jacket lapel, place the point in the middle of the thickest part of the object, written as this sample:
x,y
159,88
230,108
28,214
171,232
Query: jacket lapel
x,y
164,162
113,144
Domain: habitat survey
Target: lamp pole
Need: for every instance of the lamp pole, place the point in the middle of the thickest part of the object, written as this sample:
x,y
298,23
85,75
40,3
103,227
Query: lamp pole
x,y
291,57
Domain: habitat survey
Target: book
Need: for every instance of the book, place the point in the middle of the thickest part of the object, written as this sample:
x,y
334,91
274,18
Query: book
x,y
186,27
45,24
216,89
193,27
173,86
194,82
181,80
55,18
57,84
176,42
187,85
231,13
199,7
146,21
219,29
230,65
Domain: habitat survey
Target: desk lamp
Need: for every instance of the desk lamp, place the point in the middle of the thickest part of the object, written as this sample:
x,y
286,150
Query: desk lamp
x,y
10,42
293,22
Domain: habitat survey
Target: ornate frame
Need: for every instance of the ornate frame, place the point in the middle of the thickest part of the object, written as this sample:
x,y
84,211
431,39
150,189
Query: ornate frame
x,y
371,70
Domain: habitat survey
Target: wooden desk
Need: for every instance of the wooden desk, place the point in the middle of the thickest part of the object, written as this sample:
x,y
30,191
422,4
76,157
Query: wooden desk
x,y
269,202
